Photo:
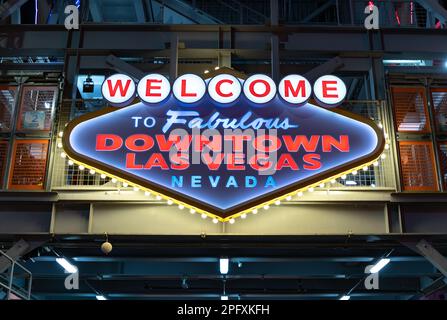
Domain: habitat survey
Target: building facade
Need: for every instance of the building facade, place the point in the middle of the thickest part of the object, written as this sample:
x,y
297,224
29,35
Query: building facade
x,y
316,245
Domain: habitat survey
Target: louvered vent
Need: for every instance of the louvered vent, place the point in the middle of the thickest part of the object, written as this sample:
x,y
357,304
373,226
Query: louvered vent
x,y
29,164
410,109
417,165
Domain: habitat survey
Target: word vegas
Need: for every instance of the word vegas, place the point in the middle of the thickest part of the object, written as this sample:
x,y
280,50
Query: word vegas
x,y
120,89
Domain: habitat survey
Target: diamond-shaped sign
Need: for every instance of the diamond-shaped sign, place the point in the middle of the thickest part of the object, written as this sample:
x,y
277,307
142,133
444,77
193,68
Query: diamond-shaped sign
x,y
153,146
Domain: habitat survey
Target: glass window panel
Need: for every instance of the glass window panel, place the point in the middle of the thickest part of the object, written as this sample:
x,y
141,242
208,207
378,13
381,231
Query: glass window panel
x,y
417,165
443,162
410,109
29,163
36,108
3,156
439,101
7,104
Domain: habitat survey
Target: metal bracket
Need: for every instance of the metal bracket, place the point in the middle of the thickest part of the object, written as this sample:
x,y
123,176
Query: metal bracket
x,y
425,249
18,250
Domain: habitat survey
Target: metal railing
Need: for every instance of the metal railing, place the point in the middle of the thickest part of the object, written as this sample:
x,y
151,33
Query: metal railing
x,y
11,279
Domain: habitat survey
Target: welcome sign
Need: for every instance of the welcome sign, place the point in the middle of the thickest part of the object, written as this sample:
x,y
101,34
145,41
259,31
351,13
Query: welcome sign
x,y
224,145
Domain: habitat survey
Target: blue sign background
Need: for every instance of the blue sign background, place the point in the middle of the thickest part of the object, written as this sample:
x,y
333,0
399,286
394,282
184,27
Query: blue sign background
x,y
310,119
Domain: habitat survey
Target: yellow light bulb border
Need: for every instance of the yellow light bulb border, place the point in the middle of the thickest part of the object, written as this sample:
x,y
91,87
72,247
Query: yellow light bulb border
x,y
258,207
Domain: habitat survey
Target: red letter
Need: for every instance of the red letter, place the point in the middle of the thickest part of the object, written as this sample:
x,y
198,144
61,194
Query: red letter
x,y
213,164
286,160
118,85
235,161
165,145
149,86
180,161
259,95
131,142
295,91
326,89
184,93
219,92
342,144
130,162
156,160
313,161
294,145
101,142
237,141
275,144
259,162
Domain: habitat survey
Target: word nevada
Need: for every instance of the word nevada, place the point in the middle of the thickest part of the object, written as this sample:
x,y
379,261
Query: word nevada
x,y
120,89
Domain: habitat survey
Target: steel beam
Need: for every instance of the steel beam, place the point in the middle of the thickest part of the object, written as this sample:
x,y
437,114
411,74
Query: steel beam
x,y
95,10
189,12
173,58
8,8
425,249
274,16
320,10
140,12
19,249
435,8
275,57
326,68
122,66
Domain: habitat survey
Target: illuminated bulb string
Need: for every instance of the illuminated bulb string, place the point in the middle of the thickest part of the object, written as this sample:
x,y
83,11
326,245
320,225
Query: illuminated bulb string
x,y
242,215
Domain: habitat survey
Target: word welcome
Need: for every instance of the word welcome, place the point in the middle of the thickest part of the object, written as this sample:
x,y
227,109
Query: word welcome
x,y
120,89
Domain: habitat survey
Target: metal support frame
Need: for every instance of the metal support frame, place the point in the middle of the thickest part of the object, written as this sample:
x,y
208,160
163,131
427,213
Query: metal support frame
x,y
10,287
190,12
325,68
436,10
21,248
434,139
123,67
173,59
320,10
140,12
425,249
95,10
8,8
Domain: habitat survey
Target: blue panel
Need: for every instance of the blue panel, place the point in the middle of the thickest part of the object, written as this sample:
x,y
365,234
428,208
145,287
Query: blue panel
x,y
306,120
96,94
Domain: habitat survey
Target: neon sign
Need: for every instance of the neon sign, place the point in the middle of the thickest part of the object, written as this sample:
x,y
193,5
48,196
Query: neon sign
x,y
225,145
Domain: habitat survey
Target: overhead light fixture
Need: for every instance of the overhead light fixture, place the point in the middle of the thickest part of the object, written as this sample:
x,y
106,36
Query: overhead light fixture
x,y
379,265
345,298
223,297
224,264
88,85
100,297
69,268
